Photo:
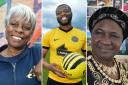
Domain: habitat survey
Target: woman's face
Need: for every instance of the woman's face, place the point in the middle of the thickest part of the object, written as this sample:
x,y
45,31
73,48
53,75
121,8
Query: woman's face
x,y
106,39
18,31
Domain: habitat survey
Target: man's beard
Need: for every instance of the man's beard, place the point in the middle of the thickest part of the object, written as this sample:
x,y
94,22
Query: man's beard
x,y
65,23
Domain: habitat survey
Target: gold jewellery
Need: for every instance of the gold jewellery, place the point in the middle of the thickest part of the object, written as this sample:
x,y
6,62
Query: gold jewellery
x,y
110,70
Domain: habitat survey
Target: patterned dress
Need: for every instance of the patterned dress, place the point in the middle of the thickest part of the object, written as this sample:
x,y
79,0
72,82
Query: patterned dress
x,y
96,76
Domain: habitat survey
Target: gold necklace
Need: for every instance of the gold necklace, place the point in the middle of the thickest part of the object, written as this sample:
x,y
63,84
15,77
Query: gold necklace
x,y
103,73
109,70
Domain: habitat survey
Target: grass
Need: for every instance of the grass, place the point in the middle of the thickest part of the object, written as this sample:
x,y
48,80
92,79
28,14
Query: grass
x,y
89,48
45,73
45,76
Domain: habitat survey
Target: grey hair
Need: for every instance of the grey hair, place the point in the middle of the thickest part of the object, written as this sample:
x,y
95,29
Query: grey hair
x,y
22,11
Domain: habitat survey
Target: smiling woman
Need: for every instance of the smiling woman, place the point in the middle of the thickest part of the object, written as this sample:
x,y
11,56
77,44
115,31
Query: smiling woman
x,y
18,31
17,61
108,27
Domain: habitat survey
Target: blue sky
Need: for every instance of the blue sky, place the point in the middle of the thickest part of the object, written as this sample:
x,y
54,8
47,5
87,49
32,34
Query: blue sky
x,y
78,8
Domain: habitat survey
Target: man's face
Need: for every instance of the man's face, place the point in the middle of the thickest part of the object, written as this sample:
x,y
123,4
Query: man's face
x,y
106,39
18,31
64,15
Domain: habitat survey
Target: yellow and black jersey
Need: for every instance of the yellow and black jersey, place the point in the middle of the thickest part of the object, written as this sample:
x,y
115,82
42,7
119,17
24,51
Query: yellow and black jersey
x,y
60,43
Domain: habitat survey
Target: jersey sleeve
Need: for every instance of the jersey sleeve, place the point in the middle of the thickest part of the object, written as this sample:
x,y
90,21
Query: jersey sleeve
x,y
46,40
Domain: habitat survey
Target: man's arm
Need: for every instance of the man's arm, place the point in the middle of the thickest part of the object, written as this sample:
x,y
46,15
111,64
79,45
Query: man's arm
x,y
52,67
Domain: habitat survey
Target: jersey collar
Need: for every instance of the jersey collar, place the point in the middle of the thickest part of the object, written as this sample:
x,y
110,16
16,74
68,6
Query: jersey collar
x,y
66,30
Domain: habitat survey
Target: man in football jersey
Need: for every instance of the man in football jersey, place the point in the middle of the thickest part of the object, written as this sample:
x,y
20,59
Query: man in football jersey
x,y
61,41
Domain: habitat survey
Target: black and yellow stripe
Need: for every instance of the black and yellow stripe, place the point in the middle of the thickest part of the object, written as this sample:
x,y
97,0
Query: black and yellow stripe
x,y
72,60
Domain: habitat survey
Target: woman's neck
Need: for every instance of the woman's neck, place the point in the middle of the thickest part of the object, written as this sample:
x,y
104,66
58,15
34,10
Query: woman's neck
x,y
108,62
11,52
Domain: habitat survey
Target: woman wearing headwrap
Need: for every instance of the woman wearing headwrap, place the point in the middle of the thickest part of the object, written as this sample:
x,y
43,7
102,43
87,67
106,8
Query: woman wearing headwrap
x,y
108,27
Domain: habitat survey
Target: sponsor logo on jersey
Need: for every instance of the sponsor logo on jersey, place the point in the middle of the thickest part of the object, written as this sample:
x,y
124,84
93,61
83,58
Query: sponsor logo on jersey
x,y
62,50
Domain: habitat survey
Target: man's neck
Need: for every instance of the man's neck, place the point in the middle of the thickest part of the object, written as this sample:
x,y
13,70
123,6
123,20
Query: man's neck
x,y
66,27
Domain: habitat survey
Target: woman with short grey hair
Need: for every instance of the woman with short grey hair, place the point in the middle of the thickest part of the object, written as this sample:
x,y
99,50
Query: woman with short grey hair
x,y
17,61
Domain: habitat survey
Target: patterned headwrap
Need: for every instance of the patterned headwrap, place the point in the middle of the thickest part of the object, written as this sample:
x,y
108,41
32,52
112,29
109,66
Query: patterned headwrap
x,y
110,13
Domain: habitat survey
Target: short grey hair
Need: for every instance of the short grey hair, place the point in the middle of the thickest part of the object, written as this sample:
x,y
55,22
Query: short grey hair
x,y
22,11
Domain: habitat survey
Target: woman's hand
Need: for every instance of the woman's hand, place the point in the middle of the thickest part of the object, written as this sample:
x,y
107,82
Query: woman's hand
x,y
38,70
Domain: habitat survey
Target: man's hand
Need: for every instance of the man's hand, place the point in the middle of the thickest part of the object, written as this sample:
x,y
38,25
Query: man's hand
x,y
57,70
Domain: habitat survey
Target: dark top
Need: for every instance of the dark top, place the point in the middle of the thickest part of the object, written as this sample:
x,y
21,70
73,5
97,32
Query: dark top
x,y
15,70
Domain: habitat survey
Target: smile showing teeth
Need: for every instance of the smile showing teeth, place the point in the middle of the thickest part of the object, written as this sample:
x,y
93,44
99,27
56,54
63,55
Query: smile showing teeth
x,y
105,50
18,38
64,18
